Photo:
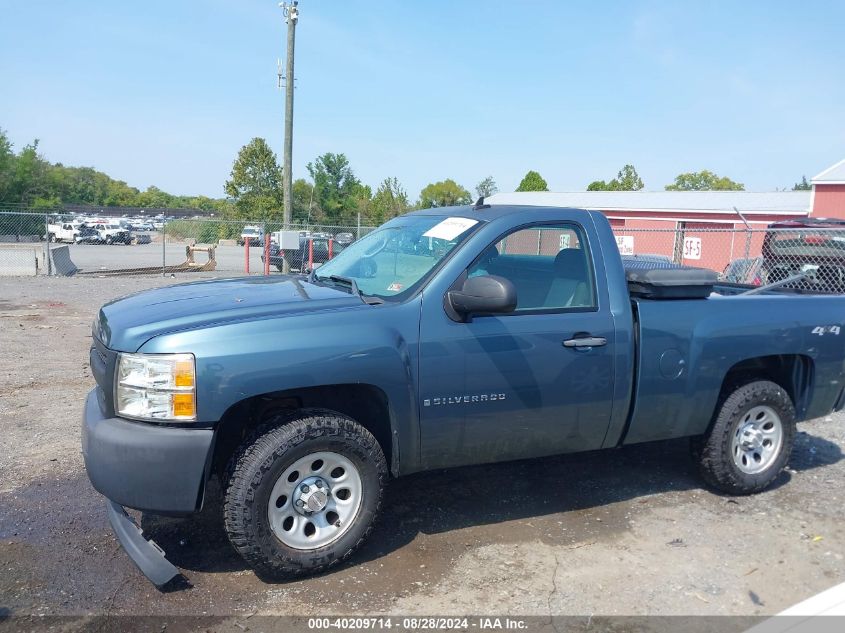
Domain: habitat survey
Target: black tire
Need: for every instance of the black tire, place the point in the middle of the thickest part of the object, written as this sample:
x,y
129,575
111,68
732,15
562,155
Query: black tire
x,y
262,460
714,451
280,268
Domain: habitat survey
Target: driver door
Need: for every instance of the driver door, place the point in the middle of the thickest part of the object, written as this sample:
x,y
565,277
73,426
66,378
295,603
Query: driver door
x,y
512,386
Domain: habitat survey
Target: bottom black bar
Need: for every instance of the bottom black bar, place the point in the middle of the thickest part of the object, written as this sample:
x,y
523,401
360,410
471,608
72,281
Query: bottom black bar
x,y
148,556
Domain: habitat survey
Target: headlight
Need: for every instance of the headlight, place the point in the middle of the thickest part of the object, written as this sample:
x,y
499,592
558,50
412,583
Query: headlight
x,y
156,387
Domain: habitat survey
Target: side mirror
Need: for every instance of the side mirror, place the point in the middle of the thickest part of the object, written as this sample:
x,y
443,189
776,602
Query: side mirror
x,y
485,294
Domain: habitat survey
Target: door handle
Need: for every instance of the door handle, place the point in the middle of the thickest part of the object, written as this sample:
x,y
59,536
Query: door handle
x,y
586,341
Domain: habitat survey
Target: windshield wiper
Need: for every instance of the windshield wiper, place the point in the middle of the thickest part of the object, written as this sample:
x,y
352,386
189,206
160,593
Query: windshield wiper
x,y
338,279
353,287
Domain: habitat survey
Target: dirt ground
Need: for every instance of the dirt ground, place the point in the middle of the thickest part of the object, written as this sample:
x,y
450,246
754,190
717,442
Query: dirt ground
x,y
629,531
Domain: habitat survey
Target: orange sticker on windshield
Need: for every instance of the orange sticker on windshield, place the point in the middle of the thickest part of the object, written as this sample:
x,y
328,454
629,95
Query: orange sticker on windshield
x,y
394,287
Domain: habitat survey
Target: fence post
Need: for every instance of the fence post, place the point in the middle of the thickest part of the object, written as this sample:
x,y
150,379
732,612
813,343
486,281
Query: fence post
x,y
358,233
266,253
331,241
246,255
310,255
47,244
163,249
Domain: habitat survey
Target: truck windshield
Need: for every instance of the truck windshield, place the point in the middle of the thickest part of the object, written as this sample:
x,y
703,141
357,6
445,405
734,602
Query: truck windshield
x,y
397,257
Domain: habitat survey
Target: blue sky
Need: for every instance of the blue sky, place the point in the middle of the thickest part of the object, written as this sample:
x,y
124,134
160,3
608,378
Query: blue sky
x,y
165,93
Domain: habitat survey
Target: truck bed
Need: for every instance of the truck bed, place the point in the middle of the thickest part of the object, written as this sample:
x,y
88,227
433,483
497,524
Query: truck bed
x,y
684,349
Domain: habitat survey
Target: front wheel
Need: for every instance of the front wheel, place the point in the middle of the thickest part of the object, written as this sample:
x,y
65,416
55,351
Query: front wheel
x,y
750,441
303,492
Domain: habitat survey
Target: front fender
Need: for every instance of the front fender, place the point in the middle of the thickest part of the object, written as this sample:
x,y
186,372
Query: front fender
x,y
376,347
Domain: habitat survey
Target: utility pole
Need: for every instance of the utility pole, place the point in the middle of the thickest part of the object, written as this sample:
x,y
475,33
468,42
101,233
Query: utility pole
x,y
291,17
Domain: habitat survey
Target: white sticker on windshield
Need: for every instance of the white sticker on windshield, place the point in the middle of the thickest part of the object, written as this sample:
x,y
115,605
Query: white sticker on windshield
x,y
450,228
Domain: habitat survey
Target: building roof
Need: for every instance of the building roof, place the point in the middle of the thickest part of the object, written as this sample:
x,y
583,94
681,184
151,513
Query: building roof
x,y
835,174
748,202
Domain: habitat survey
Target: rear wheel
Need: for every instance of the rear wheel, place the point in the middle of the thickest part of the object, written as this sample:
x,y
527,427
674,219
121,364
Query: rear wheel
x,y
751,439
303,492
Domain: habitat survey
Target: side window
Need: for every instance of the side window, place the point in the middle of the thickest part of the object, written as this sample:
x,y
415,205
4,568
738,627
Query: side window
x,y
549,266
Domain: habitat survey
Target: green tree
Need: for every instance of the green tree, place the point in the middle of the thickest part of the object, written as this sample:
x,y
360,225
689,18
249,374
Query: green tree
x,y
486,187
255,183
302,193
362,198
627,179
7,160
445,193
390,200
533,181
29,176
336,189
704,181
803,185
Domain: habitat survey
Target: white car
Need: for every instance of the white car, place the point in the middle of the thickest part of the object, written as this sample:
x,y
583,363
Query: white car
x,y
64,232
252,234
114,233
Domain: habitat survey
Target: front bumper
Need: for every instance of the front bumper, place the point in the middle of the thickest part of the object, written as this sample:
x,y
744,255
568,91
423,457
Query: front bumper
x,y
156,469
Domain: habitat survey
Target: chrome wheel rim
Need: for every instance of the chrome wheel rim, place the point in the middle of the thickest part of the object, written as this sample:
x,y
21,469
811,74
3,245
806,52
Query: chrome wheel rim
x,y
315,500
757,440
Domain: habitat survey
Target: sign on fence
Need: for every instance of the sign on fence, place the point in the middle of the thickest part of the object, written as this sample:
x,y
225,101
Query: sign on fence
x,y
625,244
692,248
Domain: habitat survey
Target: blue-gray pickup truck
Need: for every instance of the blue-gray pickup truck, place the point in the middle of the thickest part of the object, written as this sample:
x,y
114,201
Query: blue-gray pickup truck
x,y
449,336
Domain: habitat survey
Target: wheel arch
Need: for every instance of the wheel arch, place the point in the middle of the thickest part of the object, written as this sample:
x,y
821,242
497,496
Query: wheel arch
x,y
365,403
794,372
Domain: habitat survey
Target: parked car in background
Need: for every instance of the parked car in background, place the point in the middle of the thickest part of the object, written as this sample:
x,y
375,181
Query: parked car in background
x,y
114,233
141,238
312,252
812,247
252,234
62,232
89,235
745,270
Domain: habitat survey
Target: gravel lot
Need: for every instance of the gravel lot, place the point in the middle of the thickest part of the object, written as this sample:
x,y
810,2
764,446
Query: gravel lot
x,y
91,258
630,531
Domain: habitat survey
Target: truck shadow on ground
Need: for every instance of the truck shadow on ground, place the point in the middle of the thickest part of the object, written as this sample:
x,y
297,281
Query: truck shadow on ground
x,y
479,496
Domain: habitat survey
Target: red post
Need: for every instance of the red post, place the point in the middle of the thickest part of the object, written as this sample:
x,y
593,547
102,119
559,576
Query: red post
x,y
266,254
331,241
310,254
246,256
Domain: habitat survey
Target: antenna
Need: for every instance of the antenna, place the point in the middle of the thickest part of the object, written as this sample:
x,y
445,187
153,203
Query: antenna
x,y
279,73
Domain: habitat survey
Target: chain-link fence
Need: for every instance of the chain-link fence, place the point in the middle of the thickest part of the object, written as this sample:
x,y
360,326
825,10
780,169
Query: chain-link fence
x,y
52,243
38,243
807,258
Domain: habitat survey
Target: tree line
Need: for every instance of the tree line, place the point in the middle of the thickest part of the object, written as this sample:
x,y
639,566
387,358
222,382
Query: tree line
x,y
333,195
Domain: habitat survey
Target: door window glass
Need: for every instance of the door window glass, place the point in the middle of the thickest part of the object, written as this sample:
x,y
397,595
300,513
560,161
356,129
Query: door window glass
x,y
549,266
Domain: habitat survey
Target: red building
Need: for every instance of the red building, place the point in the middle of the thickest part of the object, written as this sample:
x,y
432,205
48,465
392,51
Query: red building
x,y
828,199
701,228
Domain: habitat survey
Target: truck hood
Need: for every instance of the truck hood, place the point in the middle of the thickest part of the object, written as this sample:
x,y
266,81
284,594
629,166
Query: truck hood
x,y
126,324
